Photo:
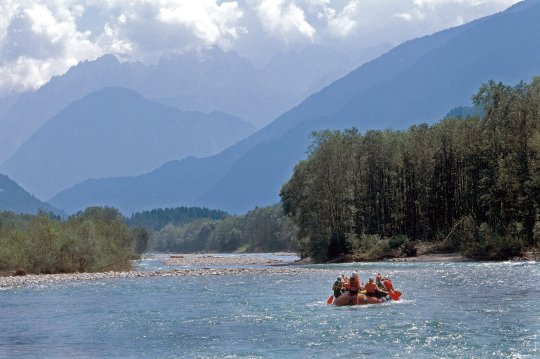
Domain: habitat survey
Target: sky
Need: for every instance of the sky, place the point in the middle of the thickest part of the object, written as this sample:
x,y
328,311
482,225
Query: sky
x,y
43,38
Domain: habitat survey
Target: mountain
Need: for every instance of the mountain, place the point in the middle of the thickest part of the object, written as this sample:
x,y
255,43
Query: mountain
x,y
418,81
312,68
205,81
116,132
15,199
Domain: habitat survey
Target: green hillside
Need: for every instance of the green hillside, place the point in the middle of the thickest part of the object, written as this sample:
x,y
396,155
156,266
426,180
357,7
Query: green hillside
x,y
15,199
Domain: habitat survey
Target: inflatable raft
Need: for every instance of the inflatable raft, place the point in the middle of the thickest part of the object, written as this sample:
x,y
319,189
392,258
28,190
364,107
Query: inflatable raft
x,y
359,299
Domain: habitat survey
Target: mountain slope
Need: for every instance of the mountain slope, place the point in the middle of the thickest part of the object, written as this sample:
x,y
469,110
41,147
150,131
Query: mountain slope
x,y
116,132
15,199
205,81
417,81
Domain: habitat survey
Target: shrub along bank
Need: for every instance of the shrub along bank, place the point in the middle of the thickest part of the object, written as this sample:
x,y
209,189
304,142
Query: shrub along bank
x,y
94,240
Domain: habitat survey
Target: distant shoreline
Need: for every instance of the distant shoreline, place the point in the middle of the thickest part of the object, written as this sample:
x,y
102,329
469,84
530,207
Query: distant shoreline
x,y
208,264
426,257
33,280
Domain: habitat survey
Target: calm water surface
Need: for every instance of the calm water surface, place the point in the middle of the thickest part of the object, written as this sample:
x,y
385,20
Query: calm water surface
x,y
449,310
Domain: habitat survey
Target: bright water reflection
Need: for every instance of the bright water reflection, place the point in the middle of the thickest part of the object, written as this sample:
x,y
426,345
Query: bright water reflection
x,y
450,310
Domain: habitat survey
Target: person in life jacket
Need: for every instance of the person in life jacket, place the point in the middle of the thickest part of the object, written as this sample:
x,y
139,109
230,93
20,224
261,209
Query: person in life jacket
x,y
373,291
378,280
347,283
354,284
387,282
338,287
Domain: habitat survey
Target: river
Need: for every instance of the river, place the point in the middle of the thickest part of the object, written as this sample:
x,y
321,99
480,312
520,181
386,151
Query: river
x,y
448,310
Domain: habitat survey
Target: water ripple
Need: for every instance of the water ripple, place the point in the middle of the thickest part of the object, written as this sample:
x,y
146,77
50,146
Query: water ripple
x,y
449,310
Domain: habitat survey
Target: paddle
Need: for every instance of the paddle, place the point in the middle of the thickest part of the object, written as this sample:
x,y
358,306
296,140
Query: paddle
x,y
330,299
395,295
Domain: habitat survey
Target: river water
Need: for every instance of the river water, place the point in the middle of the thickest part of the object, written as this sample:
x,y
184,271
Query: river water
x,y
448,310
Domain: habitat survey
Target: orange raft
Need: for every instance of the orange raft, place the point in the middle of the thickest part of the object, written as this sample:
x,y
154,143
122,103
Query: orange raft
x,y
359,299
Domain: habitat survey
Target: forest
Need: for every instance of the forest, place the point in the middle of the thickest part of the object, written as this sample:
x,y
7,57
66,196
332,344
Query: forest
x,y
160,217
264,229
468,184
94,240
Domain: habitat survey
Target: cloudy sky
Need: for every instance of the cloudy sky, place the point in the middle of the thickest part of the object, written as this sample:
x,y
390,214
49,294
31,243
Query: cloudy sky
x,y
42,38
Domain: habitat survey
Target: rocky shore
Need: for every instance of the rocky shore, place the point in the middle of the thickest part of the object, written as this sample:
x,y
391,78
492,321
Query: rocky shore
x,y
47,279
204,265
217,260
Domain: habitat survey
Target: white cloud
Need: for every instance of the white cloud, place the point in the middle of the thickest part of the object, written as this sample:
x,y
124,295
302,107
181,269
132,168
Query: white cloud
x,y
343,23
211,22
414,15
284,20
43,38
40,41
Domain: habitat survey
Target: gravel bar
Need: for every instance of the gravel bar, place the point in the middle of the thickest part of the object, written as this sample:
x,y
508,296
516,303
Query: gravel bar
x,y
46,279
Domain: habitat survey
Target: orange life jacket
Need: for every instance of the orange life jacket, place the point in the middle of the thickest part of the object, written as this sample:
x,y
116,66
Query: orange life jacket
x,y
371,288
354,284
388,284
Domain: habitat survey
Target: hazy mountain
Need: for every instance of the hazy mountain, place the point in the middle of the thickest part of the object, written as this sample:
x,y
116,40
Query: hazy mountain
x,y
116,132
32,109
15,199
312,68
418,81
6,102
206,81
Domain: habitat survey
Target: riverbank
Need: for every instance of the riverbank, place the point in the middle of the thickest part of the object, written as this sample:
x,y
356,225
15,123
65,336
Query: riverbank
x,y
214,265
425,254
48,279
431,257
195,265
219,260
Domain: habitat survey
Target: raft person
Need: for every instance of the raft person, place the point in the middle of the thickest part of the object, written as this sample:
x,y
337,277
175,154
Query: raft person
x,y
372,290
347,283
354,284
387,282
338,287
378,280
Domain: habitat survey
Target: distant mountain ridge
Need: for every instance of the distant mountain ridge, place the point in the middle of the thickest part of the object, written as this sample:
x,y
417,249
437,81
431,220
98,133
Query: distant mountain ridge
x,y
15,199
418,81
207,81
116,132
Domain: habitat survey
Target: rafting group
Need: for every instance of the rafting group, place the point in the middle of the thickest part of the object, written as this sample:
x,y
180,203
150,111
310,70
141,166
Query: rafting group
x,y
349,290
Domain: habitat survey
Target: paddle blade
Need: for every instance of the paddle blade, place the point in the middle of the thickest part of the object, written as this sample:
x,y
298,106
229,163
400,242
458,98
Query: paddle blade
x,y
395,295
330,300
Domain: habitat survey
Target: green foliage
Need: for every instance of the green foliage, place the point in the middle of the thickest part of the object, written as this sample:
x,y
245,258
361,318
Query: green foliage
x,y
427,183
260,230
157,219
90,241
141,240
398,241
492,245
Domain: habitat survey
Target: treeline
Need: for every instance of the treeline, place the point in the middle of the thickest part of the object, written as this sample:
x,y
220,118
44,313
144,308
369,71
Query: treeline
x,y
156,219
91,241
260,230
469,184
